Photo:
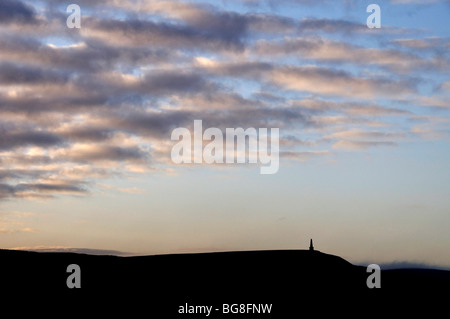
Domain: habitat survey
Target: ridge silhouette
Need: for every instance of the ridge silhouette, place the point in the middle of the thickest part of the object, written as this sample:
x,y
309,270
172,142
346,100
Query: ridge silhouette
x,y
282,277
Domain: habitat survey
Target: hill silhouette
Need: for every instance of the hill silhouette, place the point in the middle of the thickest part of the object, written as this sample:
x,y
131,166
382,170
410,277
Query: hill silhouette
x,y
285,278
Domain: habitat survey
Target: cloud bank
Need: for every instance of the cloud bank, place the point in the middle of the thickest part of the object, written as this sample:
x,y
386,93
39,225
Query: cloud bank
x,y
81,105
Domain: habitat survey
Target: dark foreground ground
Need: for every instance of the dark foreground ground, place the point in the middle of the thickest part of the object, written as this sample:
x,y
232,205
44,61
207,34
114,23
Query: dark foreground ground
x,y
292,281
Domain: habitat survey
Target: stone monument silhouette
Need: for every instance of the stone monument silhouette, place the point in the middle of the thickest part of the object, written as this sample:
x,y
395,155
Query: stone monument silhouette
x,y
311,247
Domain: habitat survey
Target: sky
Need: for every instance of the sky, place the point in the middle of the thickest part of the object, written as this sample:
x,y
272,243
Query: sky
x,y
86,116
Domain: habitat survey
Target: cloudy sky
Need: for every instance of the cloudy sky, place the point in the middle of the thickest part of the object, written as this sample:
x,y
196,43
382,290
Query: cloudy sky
x,y
86,117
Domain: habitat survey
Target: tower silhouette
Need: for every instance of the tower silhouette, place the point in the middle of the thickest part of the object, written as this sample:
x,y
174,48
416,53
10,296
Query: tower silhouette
x,y
311,247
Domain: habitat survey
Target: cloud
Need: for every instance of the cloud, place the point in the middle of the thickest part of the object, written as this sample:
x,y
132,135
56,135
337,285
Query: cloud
x,y
16,74
432,101
10,140
314,79
445,86
437,45
226,33
361,140
334,82
167,81
12,231
42,190
63,249
359,134
304,156
52,188
316,106
87,55
80,106
24,174
374,110
15,11
360,145
331,25
409,265
338,51
104,153
210,17
413,43
87,134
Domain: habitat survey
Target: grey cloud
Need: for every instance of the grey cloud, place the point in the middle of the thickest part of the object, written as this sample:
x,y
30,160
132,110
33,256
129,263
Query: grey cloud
x,y
409,265
154,125
88,56
413,43
23,159
243,69
88,251
6,191
57,102
228,26
234,26
96,56
15,11
21,74
23,173
160,125
271,98
164,82
111,90
438,45
143,33
337,82
320,106
200,20
44,139
315,79
304,156
374,110
291,140
285,117
106,153
270,23
17,43
91,134
443,87
331,26
321,49
120,86
242,112
40,190
49,187
345,27
361,139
